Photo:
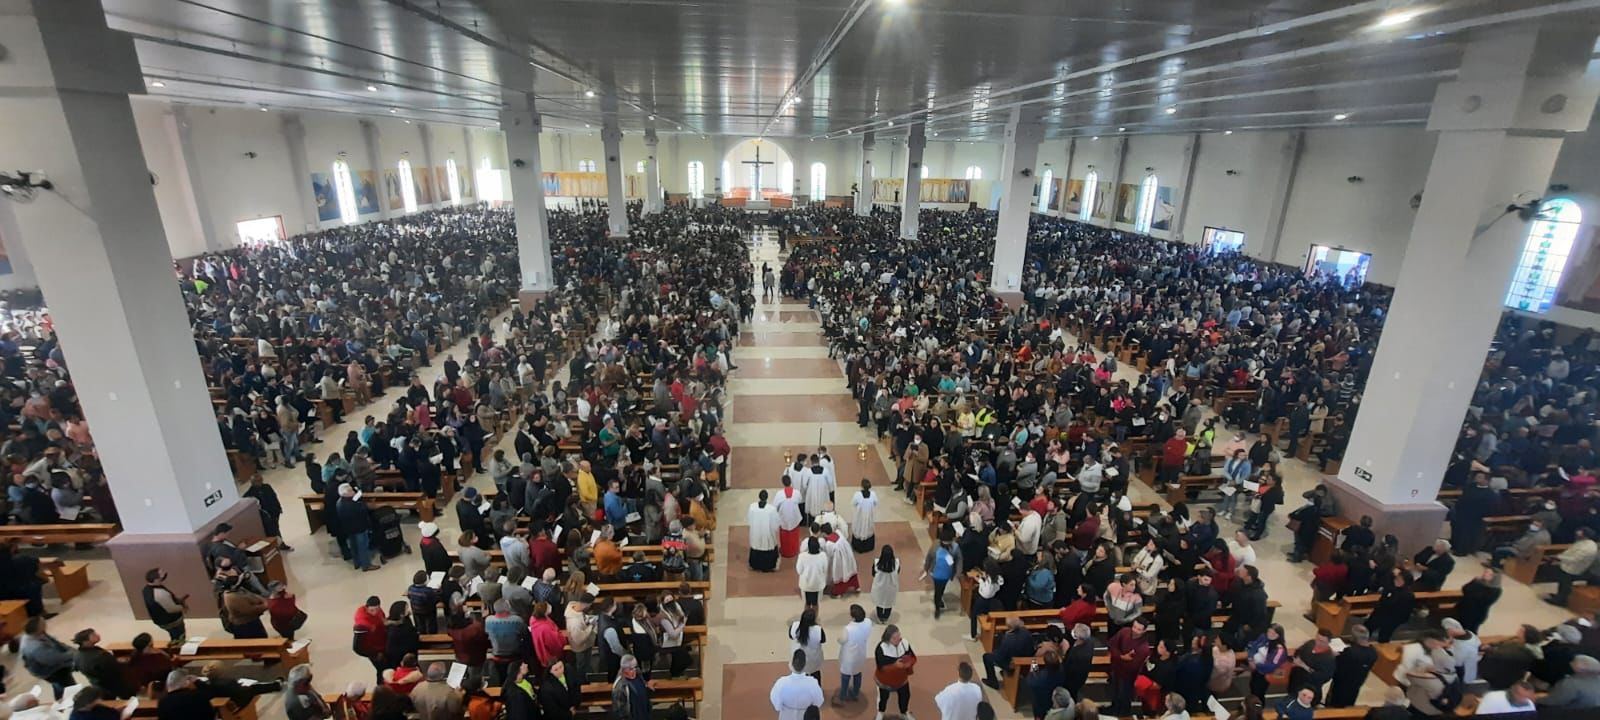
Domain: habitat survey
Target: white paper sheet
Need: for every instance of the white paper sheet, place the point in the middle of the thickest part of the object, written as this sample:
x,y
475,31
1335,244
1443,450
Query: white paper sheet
x,y
484,507
458,672
959,528
527,584
436,580
1217,709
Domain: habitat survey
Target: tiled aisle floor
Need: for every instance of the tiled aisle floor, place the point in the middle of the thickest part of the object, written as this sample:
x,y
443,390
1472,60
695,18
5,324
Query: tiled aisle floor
x,y
786,391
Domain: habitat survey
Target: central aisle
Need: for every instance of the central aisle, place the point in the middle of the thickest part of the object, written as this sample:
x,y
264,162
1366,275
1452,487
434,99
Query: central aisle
x,y
785,392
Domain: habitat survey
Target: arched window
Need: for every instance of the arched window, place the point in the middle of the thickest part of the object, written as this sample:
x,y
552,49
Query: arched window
x,y
974,172
453,179
489,189
924,172
346,189
586,166
1544,256
1047,185
819,181
638,167
1147,204
786,178
697,178
408,186
1086,211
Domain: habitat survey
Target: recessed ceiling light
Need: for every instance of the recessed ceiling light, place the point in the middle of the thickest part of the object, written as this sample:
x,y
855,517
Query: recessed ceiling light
x,y
263,108
1342,116
1172,110
586,124
936,134
588,93
157,84
1097,137
891,123
1227,132
372,88
408,122
795,100
847,132
393,110
650,117
1122,129
1398,18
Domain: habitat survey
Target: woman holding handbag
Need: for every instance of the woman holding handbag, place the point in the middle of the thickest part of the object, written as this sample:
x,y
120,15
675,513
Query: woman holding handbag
x,y
896,661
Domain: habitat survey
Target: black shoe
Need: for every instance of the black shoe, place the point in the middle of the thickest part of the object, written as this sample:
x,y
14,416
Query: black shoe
x,y
992,683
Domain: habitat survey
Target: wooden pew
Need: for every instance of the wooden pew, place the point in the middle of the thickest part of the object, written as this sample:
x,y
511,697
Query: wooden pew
x,y
595,698
1011,685
1528,571
437,646
226,709
13,615
992,624
653,553
70,579
625,593
270,652
414,502
60,533
1335,615
1179,492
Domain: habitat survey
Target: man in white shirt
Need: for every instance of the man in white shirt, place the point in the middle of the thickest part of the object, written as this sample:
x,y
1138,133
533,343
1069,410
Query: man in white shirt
x,y
1028,531
792,694
959,700
1516,699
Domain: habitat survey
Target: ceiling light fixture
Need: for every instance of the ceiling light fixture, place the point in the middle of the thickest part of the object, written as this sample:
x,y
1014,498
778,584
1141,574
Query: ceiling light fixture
x,y
847,132
1227,132
1398,18
157,84
1097,137
891,123
588,93
372,88
263,108
1172,110
1122,129
393,110
1342,116
795,100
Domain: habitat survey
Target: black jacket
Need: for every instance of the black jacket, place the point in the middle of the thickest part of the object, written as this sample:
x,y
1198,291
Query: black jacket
x,y
354,519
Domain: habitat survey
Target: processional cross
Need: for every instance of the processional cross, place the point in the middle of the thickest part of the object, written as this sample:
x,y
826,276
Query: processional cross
x,y
756,164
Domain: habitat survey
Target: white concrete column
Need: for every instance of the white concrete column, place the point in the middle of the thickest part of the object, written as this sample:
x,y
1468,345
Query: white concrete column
x,y
294,140
1024,132
1501,124
1288,168
100,253
916,143
652,173
471,168
196,193
611,138
719,184
864,195
521,124
1119,157
373,144
1191,150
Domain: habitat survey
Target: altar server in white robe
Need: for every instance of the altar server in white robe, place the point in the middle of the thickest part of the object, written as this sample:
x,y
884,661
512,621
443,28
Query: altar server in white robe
x,y
792,694
853,645
827,465
817,490
764,521
796,475
864,526
832,518
842,571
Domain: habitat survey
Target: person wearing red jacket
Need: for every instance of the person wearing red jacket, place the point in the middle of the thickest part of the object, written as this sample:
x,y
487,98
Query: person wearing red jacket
x,y
371,637
542,553
1328,580
548,640
1172,455
1129,651
1081,610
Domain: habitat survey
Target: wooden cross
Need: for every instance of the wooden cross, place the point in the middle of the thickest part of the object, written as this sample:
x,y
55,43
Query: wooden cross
x,y
757,163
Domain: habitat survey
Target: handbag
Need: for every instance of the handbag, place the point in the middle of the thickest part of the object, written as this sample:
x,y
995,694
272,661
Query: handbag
x,y
298,620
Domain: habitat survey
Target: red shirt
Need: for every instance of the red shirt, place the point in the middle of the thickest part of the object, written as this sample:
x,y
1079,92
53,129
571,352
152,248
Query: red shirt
x,y
1124,643
377,635
548,641
1078,611
543,554
1332,575
1172,453
471,643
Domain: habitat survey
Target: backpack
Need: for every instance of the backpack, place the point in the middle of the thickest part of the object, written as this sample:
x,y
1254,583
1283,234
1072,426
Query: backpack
x,y
1041,586
672,559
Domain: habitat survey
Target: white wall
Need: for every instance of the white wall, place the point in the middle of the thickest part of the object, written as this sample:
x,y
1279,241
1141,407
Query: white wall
x,y
1237,202
237,187
1373,215
163,154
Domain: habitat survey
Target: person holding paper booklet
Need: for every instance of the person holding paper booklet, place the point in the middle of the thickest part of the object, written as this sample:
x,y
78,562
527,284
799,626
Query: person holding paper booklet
x,y
439,696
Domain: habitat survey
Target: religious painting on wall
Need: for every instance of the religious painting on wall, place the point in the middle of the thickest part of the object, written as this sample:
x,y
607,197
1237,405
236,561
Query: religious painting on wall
x,y
1057,190
465,179
889,190
367,192
441,183
392,190
1074,197
1102,200
1162,220
1127,201
552,184
327,198
422,185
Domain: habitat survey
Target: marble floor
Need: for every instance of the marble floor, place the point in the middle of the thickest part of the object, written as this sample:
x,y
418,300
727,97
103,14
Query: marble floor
x,y
786,394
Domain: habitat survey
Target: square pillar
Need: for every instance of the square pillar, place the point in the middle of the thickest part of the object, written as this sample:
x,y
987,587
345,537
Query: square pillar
x,y
916,142
864,192
611,138
1024,132
1501,124
653,202
100,253
521,124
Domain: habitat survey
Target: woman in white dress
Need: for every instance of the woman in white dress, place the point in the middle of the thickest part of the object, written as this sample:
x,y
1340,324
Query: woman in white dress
x,y
805,634
885,582
812,570
864,526
853,655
